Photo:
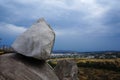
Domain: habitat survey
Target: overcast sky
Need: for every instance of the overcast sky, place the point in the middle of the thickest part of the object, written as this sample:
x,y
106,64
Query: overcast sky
x,y
80,25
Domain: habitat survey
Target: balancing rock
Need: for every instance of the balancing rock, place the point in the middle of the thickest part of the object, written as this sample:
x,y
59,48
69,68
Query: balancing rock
x,y
36,42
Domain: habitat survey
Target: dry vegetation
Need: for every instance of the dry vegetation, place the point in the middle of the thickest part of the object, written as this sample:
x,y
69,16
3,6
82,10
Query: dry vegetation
x,y
1,52
98,74
95,69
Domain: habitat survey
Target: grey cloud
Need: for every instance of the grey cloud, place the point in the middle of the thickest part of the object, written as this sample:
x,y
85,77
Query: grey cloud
x,y
76,19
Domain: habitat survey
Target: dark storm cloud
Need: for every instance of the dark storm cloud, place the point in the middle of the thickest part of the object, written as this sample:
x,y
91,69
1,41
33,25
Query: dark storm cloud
x,y
79,24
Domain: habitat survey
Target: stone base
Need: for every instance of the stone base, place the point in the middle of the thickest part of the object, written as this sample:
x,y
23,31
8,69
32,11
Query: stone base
x,y
18,67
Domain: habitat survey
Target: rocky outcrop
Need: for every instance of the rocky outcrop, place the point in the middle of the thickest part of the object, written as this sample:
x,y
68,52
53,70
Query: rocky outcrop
x,y
67,70
33,47
36,42
18,67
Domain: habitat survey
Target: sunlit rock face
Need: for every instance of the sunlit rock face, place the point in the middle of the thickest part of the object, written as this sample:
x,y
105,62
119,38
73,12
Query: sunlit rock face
x,y
36,42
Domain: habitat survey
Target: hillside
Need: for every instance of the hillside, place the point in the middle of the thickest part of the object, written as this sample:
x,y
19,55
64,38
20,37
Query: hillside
x,y
95,69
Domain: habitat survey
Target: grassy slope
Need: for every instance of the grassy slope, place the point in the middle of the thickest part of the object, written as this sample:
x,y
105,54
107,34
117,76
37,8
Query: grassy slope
x,y
97,74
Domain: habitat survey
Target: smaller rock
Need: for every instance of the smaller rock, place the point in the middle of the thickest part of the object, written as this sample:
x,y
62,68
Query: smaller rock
x,y
67,70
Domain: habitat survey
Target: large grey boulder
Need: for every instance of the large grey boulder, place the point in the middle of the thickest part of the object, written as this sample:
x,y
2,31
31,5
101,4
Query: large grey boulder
x,y
19,67
36,42
66,70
